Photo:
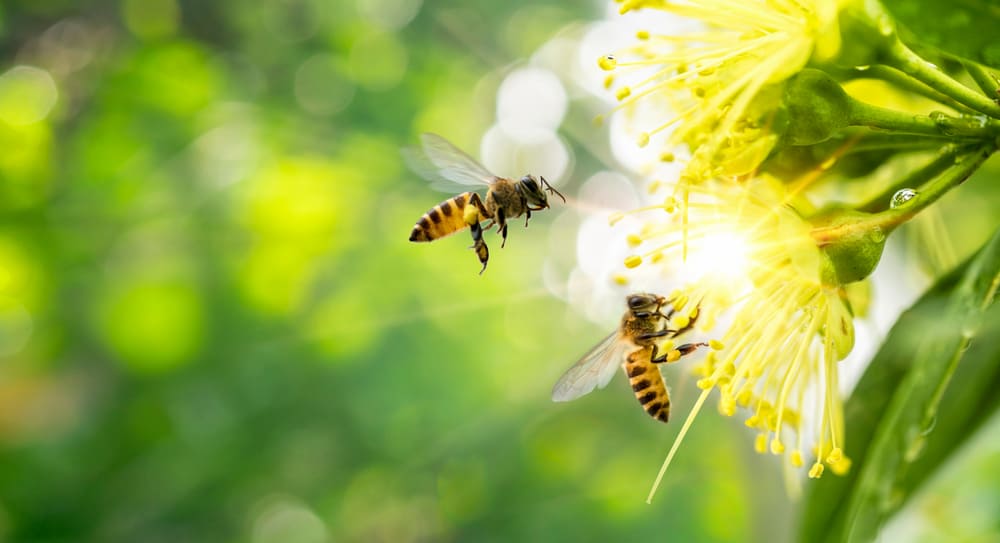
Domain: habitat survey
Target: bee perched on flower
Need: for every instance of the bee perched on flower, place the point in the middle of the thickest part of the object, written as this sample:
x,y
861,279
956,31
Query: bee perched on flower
x,y
755,264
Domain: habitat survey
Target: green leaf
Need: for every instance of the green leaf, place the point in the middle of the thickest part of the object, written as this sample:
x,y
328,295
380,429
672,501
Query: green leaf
x,y
964,28
915,404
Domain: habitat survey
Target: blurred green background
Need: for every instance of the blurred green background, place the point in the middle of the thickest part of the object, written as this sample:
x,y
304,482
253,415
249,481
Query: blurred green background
x,y
213,327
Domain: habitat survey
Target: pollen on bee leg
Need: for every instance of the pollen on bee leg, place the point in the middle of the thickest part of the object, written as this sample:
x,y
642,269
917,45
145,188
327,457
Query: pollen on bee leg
x,y
674,356
680,321
633,261
470,215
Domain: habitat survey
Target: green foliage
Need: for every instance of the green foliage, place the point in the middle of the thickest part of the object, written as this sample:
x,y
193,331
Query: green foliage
x,y
966,29
924,394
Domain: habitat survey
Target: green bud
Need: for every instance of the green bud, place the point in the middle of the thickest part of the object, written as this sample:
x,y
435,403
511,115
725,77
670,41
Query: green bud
x,y
851,246
817,108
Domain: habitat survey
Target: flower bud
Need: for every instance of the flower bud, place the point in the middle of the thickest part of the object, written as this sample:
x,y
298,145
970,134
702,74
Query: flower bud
x,y
852,247
817,108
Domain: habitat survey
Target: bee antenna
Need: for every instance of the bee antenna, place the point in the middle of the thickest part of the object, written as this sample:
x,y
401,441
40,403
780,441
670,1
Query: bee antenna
x,y
552,190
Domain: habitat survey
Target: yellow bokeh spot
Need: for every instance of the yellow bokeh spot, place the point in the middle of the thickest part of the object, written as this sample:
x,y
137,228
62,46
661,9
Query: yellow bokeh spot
x,y
643,139
633,240
633,261
153,325
841,466
609,80
620,279
642,34
667,157
27,95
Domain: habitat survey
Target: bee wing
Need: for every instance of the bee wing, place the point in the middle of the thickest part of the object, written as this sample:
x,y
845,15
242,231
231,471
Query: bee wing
x,y
445,165
594,370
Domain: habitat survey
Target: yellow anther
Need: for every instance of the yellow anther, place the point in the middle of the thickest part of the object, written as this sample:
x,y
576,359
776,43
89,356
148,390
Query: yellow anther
x,y
670,204
760,443
667,345
842,466
680,321
615,217
679,302
727,406
667,157
643,139
633,240
623,93
752,421
777,447
835,456
729,369
642,35
633,261
703,384
716,345
796,458
744,398
674,356
656,257
607,62
816,471
609,80
621,279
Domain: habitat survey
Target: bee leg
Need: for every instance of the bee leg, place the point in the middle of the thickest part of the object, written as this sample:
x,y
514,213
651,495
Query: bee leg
x,y
685,349
651,335
526,217
501,220
479,245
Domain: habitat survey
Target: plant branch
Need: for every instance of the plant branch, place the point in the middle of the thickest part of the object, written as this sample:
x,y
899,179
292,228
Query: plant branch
x,y
905,60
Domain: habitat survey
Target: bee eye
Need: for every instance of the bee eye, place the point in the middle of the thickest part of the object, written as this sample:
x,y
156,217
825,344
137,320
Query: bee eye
x,y
529,183
635,302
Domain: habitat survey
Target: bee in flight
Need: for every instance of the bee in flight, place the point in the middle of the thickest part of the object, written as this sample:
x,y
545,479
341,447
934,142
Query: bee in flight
x,y
634,347
505,198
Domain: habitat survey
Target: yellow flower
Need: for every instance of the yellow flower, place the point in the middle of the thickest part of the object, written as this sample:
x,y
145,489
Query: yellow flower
x,y
720,82
753,263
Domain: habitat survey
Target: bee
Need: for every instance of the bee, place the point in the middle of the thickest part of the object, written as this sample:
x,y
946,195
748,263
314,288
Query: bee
x,y
634,347
506,199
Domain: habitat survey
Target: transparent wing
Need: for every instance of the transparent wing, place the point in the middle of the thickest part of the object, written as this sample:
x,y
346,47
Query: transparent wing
x,y
449,162
594,370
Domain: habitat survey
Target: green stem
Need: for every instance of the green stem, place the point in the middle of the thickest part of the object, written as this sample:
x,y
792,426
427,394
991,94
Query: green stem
x,y
916,178
929,193
941,125
905,82
905,60
986,80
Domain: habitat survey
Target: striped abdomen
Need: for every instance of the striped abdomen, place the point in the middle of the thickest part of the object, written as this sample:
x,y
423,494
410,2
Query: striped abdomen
x,y
647,382
443,219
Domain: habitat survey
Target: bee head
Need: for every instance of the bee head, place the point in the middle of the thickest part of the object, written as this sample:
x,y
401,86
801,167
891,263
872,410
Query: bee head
x,y
644,302
534,191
